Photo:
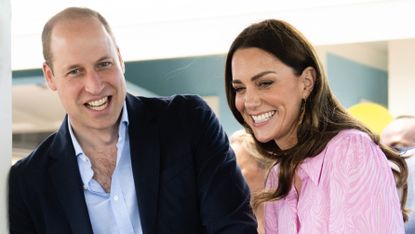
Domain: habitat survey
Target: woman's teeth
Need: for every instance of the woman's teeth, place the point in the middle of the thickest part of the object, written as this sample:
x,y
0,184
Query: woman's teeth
x,y
263,117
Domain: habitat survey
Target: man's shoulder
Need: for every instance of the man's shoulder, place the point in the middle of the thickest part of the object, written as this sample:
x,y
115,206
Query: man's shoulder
x,y
37,158
167,102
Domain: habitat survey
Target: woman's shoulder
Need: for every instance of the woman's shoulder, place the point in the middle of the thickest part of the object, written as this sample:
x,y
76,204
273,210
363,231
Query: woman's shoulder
x,y
351,138
351,133
353,146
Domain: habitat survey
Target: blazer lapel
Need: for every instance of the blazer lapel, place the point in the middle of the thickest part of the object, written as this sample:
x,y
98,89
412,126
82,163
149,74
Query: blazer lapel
x,y
145,160
67,181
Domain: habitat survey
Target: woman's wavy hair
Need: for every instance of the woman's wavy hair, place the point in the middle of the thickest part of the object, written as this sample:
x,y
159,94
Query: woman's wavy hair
x,y
324,116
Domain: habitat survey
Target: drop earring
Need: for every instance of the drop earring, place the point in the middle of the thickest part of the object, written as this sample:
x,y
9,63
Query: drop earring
x,y
302,112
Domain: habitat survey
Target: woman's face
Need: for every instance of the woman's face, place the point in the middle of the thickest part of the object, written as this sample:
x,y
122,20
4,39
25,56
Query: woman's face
x,y
269,94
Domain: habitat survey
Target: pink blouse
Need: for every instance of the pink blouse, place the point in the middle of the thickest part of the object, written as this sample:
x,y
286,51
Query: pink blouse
x,y
347,188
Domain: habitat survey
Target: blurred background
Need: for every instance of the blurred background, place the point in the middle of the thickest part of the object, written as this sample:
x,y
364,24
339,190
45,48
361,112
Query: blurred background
x,y
171,47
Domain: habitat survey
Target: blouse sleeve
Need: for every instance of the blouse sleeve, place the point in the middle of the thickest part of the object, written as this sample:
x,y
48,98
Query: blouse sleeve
x,y
363,194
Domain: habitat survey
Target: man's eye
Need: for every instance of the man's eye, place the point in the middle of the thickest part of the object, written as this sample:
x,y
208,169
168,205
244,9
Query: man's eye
x,y
74,72
104,64
402,149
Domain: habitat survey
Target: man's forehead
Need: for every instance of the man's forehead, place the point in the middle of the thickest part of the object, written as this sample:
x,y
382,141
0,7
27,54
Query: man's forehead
x,y
394,129
77,24
68,34
402,128
406,123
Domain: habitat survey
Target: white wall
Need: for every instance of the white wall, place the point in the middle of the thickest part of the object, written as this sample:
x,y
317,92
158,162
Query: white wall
x,y
401,77
5,108
373,54
145,30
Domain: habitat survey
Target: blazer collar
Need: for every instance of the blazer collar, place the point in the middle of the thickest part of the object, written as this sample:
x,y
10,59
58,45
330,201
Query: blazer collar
x,y
67,182
145,159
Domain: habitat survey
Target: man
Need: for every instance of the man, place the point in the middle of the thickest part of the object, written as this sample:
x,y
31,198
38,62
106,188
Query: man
x,y
119,163
400,135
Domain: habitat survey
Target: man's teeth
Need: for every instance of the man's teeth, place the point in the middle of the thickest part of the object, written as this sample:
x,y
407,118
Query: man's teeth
x,y
263,117
98,104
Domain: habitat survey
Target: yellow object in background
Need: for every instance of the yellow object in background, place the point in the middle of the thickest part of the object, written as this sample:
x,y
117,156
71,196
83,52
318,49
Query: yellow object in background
x,y
373,115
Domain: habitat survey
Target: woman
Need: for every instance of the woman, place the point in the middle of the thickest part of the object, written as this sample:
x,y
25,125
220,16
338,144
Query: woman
x,y
254,168
331,173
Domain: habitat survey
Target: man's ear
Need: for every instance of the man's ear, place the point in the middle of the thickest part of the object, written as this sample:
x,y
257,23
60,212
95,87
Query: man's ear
x,y
308,78
49,77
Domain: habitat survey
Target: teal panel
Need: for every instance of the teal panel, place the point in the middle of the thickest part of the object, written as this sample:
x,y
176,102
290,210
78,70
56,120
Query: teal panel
x,y
354,82
202,75
32,76
199,75
27,73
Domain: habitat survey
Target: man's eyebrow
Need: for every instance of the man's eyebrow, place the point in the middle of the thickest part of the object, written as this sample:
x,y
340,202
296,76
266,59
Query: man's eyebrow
x,y
104,58
74,66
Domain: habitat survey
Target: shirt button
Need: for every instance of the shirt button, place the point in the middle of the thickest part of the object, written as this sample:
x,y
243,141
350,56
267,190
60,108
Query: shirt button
x,y
115,198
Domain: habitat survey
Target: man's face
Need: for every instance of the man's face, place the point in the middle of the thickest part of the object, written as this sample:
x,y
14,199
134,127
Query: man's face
x,y
399,134
87,72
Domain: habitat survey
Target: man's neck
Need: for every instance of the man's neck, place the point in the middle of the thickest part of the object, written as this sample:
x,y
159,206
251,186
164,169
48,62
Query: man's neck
x,y
96,138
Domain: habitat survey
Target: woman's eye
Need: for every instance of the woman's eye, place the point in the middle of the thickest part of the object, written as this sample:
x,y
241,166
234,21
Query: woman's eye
x,y
238,89
265,84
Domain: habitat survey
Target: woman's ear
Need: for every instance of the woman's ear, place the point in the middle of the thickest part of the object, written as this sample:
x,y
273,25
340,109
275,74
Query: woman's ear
x,y
308,78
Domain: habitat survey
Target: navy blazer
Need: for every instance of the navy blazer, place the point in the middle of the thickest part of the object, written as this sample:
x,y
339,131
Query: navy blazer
x,y
185,175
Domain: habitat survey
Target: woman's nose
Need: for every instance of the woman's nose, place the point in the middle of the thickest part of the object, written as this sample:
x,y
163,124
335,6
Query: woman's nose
x,y
252,99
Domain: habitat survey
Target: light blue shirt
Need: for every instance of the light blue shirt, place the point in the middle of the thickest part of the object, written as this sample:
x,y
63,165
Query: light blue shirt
x,y
116,211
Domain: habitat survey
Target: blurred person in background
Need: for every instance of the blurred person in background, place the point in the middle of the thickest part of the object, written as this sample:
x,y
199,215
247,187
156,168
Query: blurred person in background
x,y
400,136
400,133
254,167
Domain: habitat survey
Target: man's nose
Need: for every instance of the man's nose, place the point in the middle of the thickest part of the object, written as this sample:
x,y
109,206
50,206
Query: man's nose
x,y
93,83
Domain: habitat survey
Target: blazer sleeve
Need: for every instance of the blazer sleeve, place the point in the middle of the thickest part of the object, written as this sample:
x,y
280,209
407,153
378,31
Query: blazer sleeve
x,y
224,195
19,218
363,194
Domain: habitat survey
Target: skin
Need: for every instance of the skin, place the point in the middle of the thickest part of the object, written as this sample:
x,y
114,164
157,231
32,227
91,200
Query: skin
x,y
266,86
269,95
255,178
400,133
253,174
87,72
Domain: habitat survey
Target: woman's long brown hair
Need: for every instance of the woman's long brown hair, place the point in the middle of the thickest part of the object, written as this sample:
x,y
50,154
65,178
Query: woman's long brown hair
x,y
324,116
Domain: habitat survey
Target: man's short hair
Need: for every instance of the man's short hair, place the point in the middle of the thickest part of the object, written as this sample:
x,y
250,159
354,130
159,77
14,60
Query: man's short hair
x,y
70,13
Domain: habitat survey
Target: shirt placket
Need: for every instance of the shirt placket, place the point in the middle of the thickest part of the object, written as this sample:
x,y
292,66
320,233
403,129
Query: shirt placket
x,y
292,202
